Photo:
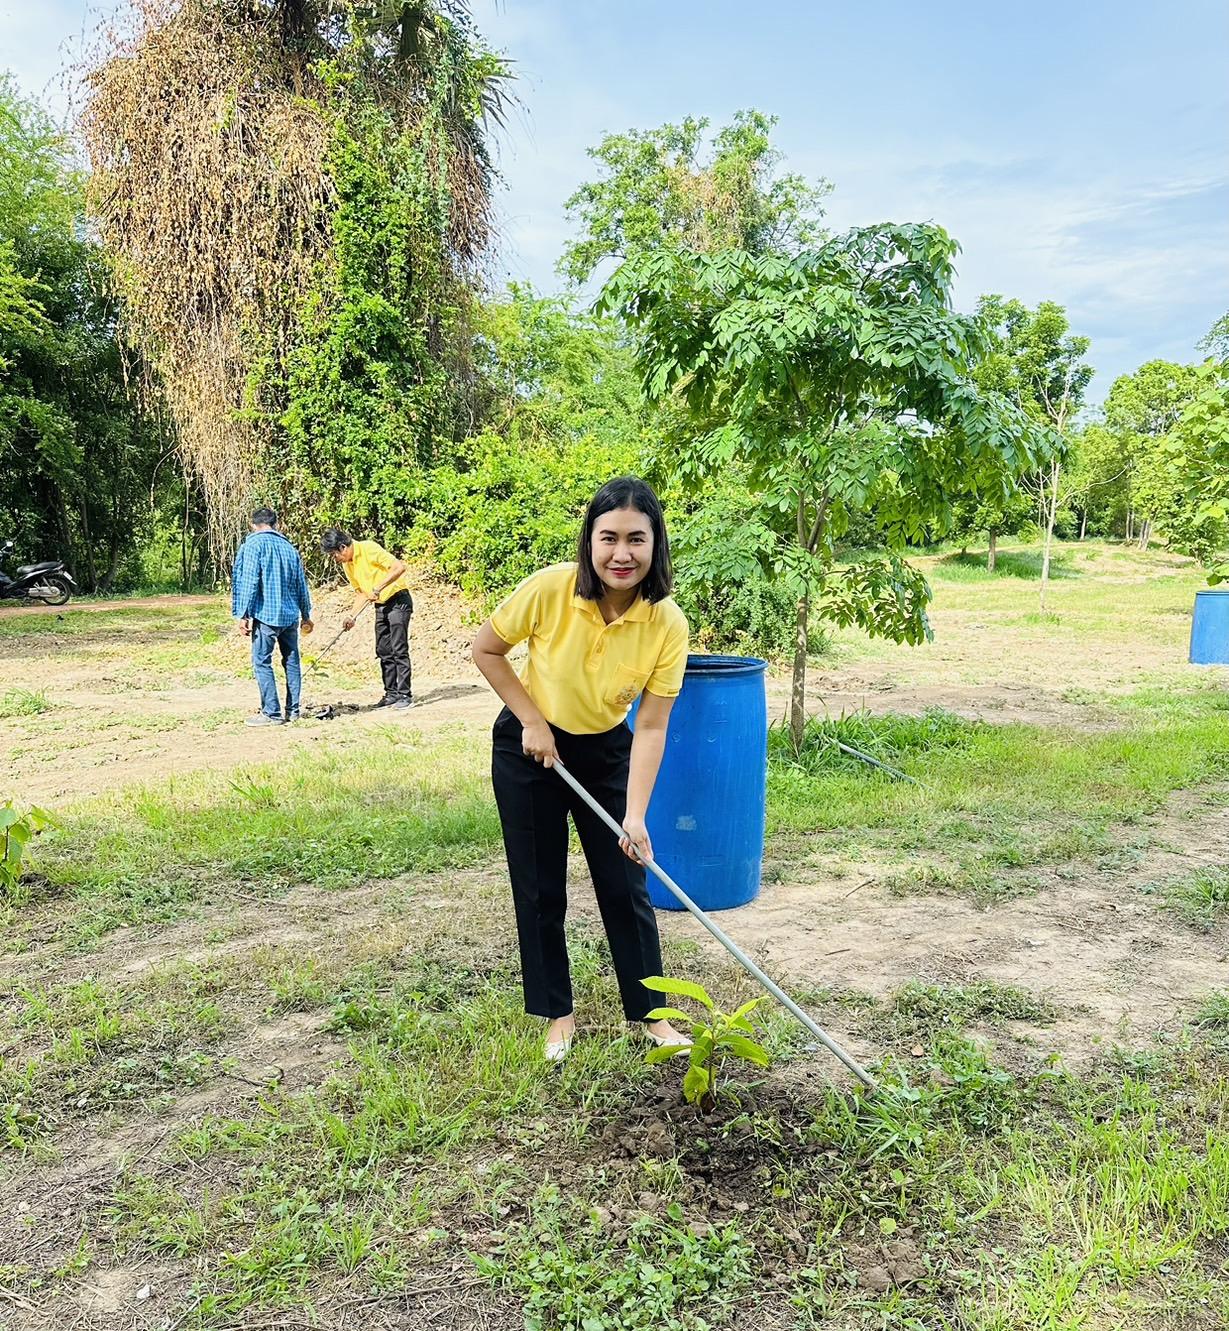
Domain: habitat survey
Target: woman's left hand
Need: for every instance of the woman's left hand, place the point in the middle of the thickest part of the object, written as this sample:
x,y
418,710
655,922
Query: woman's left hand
x,y
635,842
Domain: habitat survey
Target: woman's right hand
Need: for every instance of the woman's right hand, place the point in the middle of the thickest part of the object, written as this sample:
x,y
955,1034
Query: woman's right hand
x,y
538,741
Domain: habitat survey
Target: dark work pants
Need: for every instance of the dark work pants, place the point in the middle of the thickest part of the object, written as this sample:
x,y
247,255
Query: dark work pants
x,y
393,643
534,804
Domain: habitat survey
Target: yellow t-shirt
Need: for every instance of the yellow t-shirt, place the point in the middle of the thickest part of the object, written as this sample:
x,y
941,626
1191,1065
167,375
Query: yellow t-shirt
x,y
370,566
583,673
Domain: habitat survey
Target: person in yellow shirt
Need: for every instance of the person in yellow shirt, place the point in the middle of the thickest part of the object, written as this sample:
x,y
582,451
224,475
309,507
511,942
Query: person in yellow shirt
x,y
379,578
602,632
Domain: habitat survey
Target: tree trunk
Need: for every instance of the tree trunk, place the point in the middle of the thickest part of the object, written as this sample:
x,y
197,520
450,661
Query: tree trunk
x,y
798,694
993,553
1145,533
1083,523
1051,515
1130,536
87,547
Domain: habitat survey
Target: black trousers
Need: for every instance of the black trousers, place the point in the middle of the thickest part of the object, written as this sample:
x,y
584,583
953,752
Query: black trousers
x,y
534,804
393,643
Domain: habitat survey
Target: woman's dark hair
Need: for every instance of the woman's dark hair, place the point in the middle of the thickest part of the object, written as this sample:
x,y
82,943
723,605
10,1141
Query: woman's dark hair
x,y
334,539
625,492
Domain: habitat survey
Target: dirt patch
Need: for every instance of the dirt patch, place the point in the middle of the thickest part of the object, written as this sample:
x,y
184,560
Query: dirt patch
x,y
1119,968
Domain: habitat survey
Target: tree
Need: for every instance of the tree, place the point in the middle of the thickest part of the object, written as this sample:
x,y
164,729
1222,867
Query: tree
x,y
78,458
294,195
1035,362
840,379
1215,342
1142,408
1098,474
1198,447
656,191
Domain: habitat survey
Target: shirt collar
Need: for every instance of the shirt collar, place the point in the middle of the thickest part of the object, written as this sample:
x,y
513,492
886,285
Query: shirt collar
x,y
640,611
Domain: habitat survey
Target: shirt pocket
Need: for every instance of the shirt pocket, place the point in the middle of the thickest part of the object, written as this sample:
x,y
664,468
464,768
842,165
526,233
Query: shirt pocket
x,y
626,685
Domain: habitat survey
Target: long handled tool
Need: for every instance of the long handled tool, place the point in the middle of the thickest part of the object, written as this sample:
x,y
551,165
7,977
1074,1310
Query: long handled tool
x,y
726,942
333,641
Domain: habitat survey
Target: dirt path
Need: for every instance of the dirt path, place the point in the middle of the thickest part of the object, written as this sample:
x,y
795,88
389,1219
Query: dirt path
x,y
119,603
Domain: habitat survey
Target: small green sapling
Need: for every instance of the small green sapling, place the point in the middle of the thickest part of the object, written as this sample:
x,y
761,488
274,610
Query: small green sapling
x,y
715,1036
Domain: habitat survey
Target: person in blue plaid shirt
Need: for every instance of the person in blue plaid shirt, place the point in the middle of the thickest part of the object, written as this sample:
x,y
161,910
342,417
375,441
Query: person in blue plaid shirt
x,y
269,598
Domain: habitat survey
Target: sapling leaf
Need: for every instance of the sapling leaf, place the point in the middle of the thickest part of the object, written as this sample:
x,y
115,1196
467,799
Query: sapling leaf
x,y
663,1052
744,1048
696,1084
688,988
668,1014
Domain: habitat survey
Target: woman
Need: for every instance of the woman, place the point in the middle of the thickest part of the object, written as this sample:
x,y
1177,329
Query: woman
x,y
601,632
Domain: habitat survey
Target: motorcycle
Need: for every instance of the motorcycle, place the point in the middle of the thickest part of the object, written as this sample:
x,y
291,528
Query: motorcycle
x,y
48,583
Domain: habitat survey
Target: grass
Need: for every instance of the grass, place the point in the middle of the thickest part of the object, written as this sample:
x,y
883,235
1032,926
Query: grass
x,y
397,803
421,1162
964,1195
1200,899
23,702
76,1050
992,799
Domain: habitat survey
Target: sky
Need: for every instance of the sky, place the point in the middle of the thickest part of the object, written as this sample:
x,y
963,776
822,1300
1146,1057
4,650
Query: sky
x,y
1078,151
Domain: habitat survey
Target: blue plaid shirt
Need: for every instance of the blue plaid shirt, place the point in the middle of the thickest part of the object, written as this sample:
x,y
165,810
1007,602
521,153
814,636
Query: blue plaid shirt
x,y
269,583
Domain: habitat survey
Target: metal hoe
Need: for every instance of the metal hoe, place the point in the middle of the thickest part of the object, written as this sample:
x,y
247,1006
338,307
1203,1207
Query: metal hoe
x,y
328,647
726,942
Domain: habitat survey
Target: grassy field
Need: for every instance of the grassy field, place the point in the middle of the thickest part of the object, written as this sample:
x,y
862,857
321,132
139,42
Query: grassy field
x,y
263,1063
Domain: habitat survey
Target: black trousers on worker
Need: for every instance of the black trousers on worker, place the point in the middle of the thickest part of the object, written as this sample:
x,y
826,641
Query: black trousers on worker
x,y
534,804
393,643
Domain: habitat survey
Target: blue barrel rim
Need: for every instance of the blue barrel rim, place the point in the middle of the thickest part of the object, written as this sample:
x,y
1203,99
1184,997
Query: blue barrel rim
x,y
1213,591
726,666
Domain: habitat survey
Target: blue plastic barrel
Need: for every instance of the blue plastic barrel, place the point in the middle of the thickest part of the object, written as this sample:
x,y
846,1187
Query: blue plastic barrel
x,y
706,817
1209,628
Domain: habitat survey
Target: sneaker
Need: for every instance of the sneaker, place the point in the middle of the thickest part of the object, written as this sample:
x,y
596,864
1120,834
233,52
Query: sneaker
x,y
386,701
403,704
290,716
260,719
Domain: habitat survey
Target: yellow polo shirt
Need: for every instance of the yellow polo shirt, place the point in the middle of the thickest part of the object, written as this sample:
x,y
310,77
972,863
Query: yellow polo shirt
x,y
370,566
583,673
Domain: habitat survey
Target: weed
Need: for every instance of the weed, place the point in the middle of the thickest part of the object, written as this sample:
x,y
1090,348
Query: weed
x,y
919,1009
665,1274
1200,899
23,702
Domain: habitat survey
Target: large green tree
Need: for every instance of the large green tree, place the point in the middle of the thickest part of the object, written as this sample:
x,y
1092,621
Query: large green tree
x,y
840,380
1141,410
672,187
77,457
1198,448
1036,362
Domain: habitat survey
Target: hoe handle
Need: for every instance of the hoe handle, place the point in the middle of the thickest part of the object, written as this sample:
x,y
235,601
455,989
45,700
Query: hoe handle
x,y
725,940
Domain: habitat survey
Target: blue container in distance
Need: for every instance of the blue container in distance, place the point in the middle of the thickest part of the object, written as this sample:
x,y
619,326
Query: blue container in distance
x,y
1209,629
706,817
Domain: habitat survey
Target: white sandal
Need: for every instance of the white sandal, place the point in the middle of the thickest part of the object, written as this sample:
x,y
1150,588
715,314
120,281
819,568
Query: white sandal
x,y
676,1041
555,1051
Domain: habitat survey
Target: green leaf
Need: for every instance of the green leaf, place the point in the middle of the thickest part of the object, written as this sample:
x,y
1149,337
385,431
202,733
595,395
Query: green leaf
x,y
748,1007
687,988
662,1052
744,1048
695,1084
667,1014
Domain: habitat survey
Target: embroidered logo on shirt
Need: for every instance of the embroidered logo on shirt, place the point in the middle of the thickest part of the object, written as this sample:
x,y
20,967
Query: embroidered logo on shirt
x,y
627,695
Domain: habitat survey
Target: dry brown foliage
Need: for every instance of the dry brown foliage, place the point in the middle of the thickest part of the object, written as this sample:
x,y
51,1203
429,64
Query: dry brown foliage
x,y
206,133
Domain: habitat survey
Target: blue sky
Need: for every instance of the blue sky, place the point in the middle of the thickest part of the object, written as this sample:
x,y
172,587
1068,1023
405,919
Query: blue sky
x,y
1078,151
